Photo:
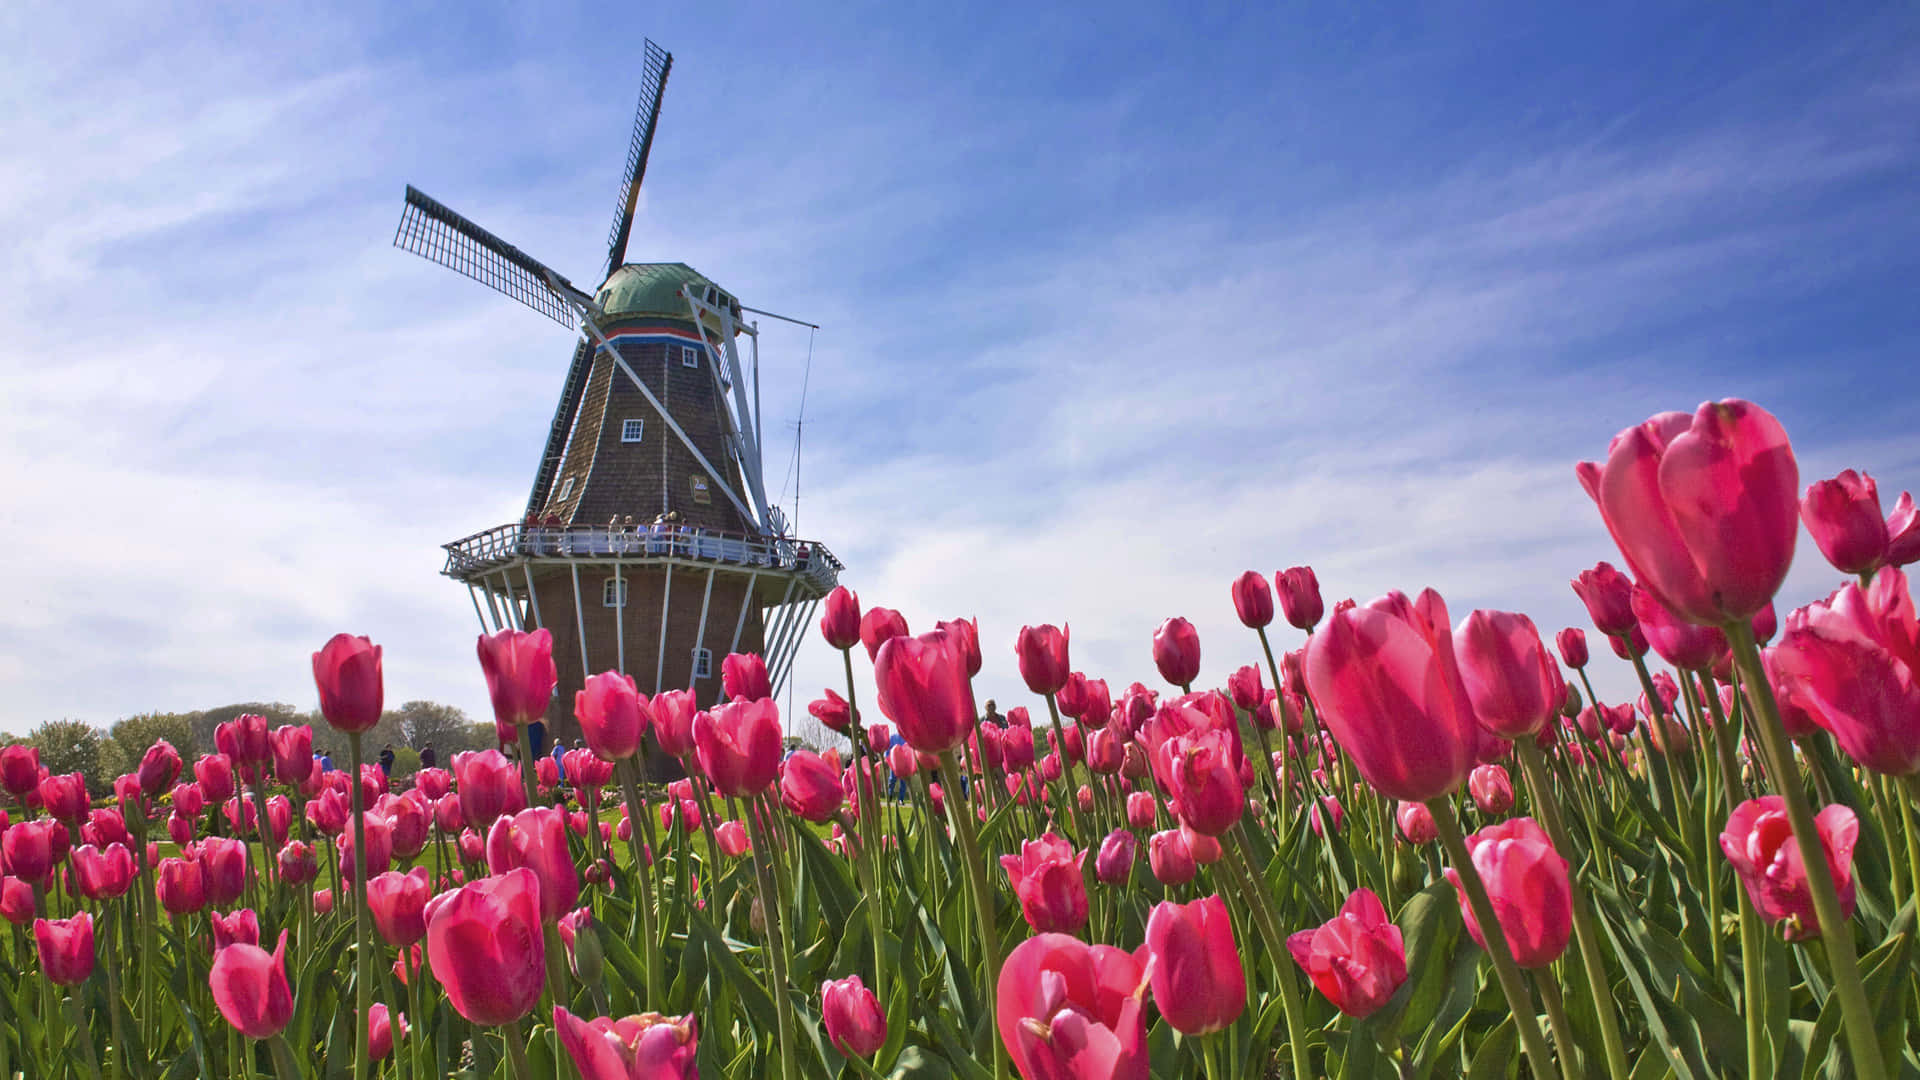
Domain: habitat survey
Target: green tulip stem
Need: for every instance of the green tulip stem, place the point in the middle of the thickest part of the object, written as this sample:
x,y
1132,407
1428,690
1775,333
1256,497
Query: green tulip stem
x,y
867,837
1234,853
643,876
1563,1040
1752,935
362,946
775,951
1592,960
1912,783
1663,766
285,1066
1512,983
1209,1056
1067,794
962,820
1835,931
78,1021
113,919
511,1034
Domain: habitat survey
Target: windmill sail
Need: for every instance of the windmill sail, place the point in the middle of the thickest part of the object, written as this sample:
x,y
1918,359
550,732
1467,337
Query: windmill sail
x,y
646,117
432,231
563,417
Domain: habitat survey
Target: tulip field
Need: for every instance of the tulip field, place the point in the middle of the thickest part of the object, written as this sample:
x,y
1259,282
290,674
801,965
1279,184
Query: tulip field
x,y
1383,839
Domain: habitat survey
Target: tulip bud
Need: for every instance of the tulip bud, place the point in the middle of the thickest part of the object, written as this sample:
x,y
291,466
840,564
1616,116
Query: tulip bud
x,y
1299,592
1114,864
840,622
1357,960
851,1014
1194,965
1252,600
1176,651
1843,516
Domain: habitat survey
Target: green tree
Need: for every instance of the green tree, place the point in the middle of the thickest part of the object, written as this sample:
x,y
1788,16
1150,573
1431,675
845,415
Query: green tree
x,y
429,722
76,746
132,736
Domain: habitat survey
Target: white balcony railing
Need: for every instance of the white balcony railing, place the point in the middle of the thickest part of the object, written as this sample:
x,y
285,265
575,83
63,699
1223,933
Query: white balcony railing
x,y
486,551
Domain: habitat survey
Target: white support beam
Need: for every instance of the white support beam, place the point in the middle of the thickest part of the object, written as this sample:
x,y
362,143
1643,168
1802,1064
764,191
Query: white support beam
x,y
660,656
619,620
513,606
533,597
741,421
746,605
787,661
700,634
477,613
580,620
486,590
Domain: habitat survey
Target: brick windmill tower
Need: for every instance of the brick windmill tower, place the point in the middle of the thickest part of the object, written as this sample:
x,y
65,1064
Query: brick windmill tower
x,y
648,545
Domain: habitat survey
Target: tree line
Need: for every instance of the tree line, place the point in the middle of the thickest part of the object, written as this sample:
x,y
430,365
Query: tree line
x,y
103,753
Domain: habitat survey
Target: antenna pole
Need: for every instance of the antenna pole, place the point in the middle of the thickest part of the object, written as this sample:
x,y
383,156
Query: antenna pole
x,y
782,318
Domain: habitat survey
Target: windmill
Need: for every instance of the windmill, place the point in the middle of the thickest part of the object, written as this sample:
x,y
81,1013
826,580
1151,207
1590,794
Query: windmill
x,y
648,544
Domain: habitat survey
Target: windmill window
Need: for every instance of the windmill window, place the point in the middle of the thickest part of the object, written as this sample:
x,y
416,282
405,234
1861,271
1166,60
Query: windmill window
x,y
566,489
689,356
703,663
632,430
613,593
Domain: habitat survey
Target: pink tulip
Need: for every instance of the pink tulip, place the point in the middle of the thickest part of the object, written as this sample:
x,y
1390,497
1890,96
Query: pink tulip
x,y
1608,594
234,928
102,874
1201,775
1329,806
65,797
832,711
20,769
1357,959
245,739
733,839
743,676
1299,592
851,1014
536,839
1067,1010
181,885
297,863
66,948
1852,663
1573,646
1759,842
1042,652
810,788
1527,882
1512,682
1388,688
1194,965
250,987
215,773
224,859
1903,532
379,830
879,626
924,689
648,1046
1685,645
1114,864
1170,859
1843,516
739,746
1176,651
1416,823
1141,810
398,904
1046,877
347,673
1491,788
965,635
1252,600
381,1030
673,713
1703,508
16,901
840,622
159,767
613,715
1245,687
489,786
485,946
30,849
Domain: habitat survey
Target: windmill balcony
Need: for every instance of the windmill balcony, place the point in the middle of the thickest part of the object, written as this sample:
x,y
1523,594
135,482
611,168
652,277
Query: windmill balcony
x,y
487,552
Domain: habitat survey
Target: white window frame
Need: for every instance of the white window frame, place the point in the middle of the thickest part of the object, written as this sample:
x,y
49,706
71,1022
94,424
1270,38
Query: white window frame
x,y
609,597
633,429
703,663
566,489
689,356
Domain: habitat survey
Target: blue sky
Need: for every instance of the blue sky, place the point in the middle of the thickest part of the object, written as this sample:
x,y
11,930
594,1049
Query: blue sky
x,y
1117,302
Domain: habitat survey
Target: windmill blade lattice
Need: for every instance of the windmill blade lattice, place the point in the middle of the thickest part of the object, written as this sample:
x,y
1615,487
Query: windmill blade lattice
x,y
646,118
434,232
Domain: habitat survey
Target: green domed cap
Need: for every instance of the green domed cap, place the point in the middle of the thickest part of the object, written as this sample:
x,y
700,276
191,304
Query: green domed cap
x,y
654,289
